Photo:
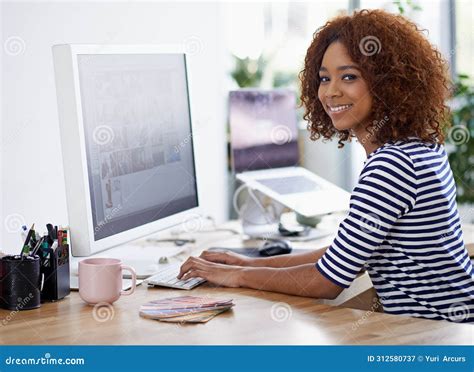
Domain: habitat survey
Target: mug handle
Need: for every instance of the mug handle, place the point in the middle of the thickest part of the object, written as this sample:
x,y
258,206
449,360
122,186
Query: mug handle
x,y
134,280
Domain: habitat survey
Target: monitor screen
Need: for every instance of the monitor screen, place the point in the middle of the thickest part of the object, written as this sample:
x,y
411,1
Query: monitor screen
x,y
263,129
138,136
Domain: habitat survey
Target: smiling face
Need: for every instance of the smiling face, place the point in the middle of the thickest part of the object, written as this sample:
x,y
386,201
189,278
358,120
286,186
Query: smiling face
x,y
343,92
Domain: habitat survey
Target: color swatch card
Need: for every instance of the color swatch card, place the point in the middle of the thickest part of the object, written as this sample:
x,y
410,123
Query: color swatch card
x,y
185,309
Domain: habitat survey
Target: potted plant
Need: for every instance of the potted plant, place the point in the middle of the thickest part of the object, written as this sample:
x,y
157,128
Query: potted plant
x,y
460,145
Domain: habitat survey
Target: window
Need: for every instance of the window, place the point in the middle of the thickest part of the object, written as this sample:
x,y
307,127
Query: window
x,y
464,38
278,33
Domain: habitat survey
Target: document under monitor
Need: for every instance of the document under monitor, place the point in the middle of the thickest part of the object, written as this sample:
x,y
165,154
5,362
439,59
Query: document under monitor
x,y
127,144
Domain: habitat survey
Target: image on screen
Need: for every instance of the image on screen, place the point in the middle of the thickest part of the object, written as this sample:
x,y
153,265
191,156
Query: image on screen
x,y
138,138
263,129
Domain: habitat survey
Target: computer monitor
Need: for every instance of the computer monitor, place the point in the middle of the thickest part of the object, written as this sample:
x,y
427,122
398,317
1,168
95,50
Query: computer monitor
x,y
263,129
127,142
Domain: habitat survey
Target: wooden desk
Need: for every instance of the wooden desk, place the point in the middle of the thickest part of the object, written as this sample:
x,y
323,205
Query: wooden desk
x,y
257,318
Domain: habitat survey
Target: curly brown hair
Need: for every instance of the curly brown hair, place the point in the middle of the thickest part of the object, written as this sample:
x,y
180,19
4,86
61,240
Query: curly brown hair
x,y
407,77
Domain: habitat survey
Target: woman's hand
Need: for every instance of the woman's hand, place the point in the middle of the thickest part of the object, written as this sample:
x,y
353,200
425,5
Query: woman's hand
x,y
227,257
220,274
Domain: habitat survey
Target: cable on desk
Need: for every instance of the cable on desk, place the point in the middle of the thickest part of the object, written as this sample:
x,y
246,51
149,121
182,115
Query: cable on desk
x,y
252,195
212,230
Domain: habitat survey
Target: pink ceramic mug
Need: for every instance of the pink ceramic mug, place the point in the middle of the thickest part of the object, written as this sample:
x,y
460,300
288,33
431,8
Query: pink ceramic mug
x,y
100,280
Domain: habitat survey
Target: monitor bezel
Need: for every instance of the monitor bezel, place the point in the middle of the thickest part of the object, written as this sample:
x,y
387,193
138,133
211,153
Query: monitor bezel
x,y
82,232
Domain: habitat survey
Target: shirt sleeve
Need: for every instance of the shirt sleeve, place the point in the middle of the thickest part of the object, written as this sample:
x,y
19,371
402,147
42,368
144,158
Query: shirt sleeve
x,y
385,192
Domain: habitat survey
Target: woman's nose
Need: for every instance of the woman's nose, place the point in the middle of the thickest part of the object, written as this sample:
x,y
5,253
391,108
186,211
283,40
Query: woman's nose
x,y
332,90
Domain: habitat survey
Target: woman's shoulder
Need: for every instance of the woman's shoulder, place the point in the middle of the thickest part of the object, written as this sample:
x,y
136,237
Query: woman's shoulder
x,y
404,159
390,165
391,154
400,158
409,151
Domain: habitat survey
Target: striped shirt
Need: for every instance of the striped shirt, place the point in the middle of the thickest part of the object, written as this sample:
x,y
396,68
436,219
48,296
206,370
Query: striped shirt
x,y
403,227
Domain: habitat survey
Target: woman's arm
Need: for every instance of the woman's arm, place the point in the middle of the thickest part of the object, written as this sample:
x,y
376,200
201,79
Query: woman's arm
x,y
288,260
285,260
302,280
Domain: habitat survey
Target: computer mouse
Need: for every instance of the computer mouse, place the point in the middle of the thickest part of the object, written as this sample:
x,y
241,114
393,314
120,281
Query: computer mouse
x,y
275,247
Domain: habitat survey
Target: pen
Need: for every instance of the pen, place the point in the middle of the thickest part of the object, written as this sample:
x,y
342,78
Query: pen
x,y
64,238
25,251
37,246
33,240
60,236
30,233
26,248
45,249
50,233
24,233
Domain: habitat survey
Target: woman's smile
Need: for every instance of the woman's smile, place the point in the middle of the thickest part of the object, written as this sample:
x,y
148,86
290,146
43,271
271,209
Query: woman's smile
x,y
335,110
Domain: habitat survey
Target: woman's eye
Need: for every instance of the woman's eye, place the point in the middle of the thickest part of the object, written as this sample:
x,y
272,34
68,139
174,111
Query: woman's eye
x,y
323,79
349,77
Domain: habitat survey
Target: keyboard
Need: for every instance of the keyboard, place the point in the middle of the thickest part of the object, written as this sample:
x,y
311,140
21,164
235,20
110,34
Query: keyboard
x,y
290,185
166,277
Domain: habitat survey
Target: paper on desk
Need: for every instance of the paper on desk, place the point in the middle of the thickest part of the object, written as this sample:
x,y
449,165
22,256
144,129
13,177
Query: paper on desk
x,y
185,302
202,317
148,312
185,309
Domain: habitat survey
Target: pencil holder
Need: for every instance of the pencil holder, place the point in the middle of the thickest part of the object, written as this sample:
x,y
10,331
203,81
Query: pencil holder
x,y
20,282
55,268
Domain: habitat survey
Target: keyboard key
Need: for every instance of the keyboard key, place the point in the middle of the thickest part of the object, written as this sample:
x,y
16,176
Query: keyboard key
x,y
167,277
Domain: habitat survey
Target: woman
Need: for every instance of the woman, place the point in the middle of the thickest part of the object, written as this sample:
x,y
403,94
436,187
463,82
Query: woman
x,y
374,76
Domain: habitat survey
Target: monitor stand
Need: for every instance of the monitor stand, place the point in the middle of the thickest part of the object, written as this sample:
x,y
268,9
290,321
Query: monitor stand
x,y
260,215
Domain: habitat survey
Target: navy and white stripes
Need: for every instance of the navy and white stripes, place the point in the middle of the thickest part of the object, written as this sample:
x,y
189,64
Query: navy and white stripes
x,y
404,228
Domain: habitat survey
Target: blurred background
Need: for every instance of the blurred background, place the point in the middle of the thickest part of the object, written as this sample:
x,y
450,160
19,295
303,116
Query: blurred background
x,y
230,45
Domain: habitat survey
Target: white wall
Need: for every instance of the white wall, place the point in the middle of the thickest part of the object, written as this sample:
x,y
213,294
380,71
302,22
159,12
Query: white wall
x,y
31,168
